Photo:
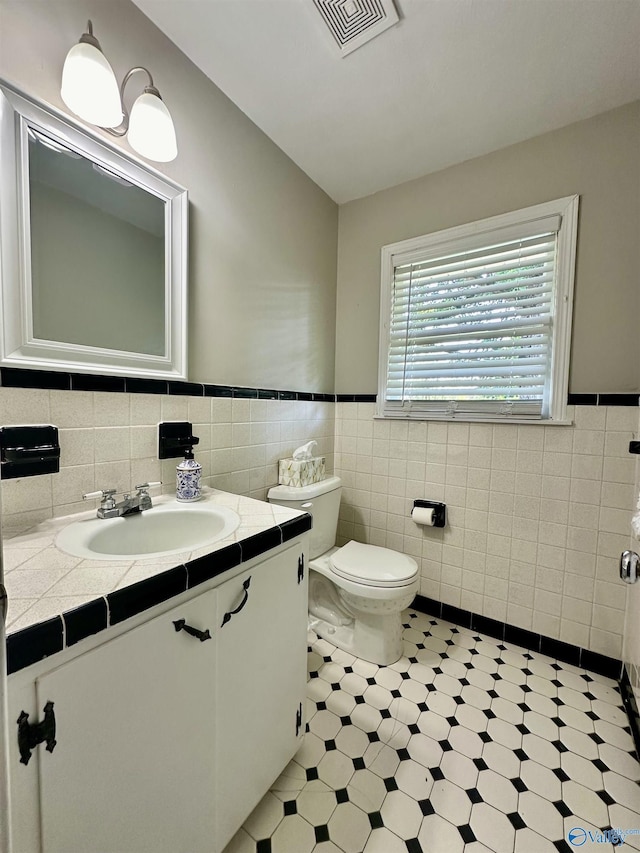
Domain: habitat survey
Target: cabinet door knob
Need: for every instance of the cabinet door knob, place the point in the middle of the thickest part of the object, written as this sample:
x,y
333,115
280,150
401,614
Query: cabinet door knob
x,y
181,625
245,598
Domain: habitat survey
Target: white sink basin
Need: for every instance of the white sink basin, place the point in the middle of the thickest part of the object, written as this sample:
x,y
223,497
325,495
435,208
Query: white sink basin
x,y
167,529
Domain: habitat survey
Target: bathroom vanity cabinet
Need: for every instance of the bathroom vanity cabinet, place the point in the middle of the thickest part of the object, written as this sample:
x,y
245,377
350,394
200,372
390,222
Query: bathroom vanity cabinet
x,y
166,740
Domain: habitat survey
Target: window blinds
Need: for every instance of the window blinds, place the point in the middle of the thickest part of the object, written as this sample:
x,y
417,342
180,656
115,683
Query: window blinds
x,y
470,328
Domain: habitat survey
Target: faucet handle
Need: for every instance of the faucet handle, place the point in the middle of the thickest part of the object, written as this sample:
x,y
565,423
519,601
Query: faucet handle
x,y
106,496
143,487
143,496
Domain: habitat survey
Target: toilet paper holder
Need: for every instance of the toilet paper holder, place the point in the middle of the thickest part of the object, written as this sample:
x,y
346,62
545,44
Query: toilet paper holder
x,y
439,511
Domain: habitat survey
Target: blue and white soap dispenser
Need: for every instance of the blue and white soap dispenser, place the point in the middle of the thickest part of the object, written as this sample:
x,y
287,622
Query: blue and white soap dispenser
x,y
188,474
176,438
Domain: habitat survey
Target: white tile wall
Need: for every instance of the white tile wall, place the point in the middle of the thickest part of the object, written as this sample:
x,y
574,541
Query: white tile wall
x,y
537,516
110,440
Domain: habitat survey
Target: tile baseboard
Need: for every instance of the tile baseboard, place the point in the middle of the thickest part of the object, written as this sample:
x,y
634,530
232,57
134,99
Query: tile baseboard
x,y
566,652
631,707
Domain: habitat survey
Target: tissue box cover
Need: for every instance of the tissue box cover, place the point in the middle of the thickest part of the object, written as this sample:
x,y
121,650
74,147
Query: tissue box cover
x,y
302,473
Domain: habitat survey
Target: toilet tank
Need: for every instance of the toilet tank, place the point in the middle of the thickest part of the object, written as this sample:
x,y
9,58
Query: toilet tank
x,y
322,501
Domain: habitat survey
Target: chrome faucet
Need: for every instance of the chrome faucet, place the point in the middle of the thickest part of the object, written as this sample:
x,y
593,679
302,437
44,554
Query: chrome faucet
x,y
129,505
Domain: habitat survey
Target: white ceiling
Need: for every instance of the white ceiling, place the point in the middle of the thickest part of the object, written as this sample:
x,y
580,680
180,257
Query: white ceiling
x,y
454,79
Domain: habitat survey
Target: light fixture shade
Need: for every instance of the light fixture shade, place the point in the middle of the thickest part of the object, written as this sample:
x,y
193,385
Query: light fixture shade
x,y
89,86
151,131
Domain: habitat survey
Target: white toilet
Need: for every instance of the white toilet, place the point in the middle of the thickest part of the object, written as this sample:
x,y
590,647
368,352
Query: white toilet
x,y
356,592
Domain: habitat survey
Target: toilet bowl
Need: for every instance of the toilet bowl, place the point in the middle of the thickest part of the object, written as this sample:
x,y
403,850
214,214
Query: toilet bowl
x,y
356,592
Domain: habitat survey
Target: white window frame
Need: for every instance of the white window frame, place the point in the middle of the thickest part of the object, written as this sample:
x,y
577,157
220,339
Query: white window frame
x,y
453,239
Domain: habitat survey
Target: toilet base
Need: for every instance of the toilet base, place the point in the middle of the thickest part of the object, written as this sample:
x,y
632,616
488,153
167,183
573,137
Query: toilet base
x,y
365,621
377,639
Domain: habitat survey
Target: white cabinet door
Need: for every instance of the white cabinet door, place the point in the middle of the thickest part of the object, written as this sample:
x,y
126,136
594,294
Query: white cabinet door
x,y
133,767
23,779
261,678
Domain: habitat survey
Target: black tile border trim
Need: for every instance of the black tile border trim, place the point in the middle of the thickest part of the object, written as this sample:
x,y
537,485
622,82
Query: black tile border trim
x,y
582,399
210,565
218,391
85,620
618,400
596,399
257,544
14,377
631,707
632,399
295,527
138,385
603,665
18,377
36,642
131,600
185,389
93,382
356,398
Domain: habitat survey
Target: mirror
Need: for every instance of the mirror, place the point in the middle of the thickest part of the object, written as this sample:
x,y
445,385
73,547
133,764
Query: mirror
x,y
93,251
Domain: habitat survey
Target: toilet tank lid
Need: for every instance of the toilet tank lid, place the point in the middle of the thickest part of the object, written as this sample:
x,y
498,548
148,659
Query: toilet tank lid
x,y
303,493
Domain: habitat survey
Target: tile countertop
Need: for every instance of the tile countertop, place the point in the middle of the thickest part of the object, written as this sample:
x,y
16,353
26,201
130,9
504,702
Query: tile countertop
x,y
48,587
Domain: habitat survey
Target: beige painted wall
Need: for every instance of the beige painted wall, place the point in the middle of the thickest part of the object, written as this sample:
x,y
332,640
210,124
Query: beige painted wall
x,y
263,235
598,159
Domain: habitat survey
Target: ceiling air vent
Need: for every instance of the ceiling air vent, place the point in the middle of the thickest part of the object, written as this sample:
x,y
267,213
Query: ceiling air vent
x,y
355,22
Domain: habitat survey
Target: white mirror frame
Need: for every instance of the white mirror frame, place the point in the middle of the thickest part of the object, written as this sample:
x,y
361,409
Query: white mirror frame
x,y
18,346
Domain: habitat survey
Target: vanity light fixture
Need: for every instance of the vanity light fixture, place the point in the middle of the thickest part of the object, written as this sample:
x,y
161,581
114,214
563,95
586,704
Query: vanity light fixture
x,y
90,90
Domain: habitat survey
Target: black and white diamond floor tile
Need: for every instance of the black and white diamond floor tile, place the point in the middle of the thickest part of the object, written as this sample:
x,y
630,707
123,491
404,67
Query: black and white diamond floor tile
x,y
465,745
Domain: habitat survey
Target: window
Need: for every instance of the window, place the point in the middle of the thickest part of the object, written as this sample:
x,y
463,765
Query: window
x,y
476,320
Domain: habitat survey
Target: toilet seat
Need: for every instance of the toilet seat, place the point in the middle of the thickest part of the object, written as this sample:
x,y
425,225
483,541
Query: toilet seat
x,y
371,565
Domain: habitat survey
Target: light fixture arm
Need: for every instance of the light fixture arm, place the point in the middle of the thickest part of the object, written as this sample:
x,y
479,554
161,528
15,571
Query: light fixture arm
x,y
89,38
122,128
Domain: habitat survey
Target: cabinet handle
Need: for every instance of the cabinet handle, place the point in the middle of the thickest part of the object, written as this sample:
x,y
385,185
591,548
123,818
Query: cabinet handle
x,y
181,625
245,598
30,735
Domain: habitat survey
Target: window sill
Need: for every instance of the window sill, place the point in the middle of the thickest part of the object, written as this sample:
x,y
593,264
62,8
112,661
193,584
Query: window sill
x,y
472,420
